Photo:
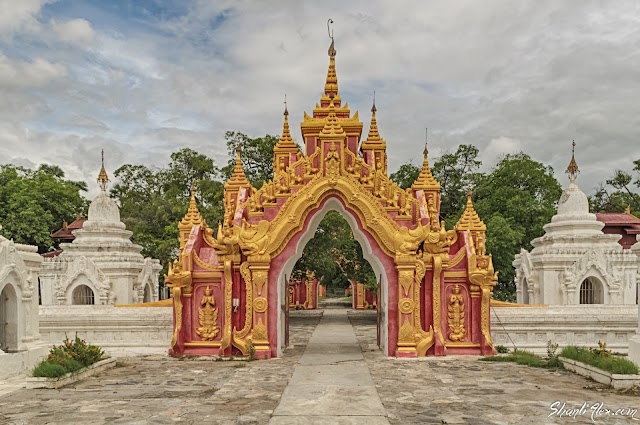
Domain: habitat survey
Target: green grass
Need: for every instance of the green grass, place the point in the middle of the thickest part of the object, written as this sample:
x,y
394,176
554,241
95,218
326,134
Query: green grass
x,y
521,357
48,369
610,363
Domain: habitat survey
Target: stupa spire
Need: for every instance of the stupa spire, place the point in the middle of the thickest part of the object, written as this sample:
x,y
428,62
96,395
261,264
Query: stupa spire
x,y
425,180
573,169
332,128
238,178
331,84
374,135
470,219
193,216
285,139
103,178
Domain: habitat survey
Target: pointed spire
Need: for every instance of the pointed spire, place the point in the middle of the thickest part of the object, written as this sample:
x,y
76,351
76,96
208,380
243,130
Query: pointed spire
x,y
331,85
374,135
628,210
572,169
192,217
103,178
425,180
470,219
238,178
285,139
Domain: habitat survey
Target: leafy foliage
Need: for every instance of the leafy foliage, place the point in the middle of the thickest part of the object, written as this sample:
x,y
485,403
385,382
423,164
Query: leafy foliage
x,y
519,196
602,361
334,256
524,358
71,356
406,175
623,195
153,201
456,172
34,203
257,156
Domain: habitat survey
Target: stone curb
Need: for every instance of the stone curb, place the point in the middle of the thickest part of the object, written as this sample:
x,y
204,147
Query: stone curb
x,y
617,381
71,377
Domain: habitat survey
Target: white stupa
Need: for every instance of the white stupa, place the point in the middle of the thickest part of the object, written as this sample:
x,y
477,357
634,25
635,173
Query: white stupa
x,y
574,262
101,265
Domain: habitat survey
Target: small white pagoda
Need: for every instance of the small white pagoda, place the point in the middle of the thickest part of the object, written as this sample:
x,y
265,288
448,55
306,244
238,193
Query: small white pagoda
x,y
574,262
101,265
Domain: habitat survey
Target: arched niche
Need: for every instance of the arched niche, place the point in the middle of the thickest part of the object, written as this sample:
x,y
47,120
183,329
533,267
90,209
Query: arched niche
x,y
83,295
148,293
525,291
9,326
591,291
81,281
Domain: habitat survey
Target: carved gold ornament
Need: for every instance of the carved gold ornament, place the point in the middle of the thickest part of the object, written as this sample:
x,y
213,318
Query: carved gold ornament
x,y
406,305
455,315
208,317
260,305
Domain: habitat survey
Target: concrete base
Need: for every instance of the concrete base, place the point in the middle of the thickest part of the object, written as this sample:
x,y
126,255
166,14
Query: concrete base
x,y
634,349
120,331
530,328
22,362
70,378
617,381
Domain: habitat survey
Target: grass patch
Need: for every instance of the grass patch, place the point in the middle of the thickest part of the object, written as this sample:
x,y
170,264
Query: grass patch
x,y
69,357
604,361
524,358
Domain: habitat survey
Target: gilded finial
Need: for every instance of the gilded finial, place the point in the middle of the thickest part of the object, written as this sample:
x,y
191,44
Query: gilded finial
x,y
374,135
332,50
238,178
627,210
103,178
192,217
425,153
573,169
286,111
286,141
373,108
470,219
425,180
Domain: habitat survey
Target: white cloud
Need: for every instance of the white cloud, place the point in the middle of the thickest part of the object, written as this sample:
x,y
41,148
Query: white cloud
x,y
76,31
503,76
37,73
19,15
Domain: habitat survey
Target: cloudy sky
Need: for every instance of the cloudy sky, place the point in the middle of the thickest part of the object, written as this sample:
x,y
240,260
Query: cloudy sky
x,y
144,78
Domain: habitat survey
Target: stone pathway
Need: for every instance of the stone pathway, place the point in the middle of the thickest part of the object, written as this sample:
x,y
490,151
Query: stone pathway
x,y
333,374
331,383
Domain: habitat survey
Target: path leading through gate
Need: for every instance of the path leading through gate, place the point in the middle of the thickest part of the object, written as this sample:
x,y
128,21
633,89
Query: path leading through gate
x,y
331,383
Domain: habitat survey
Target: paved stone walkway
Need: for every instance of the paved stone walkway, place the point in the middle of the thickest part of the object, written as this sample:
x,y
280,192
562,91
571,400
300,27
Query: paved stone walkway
x,y
331,383
348,377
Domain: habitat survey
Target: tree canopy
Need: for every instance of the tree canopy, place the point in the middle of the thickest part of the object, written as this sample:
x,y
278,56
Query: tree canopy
x,y
333,256
35,203
619,192
257,156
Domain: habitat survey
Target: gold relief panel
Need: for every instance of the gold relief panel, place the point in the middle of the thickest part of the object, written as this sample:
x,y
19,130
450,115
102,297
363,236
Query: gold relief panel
x,y
405,305
456,314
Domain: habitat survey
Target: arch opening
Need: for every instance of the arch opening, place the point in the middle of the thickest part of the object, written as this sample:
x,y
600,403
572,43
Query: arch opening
x,y
8,319
591,291
313,222
83,295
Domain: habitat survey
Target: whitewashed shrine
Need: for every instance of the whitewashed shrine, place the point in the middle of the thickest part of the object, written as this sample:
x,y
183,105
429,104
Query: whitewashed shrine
x,y
101,265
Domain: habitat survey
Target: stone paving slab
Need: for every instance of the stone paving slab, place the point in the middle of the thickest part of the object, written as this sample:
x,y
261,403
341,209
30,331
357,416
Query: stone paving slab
x,y
162,390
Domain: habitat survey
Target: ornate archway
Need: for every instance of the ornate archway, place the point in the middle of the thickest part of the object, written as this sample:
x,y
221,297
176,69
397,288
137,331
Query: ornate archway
x,y
227,289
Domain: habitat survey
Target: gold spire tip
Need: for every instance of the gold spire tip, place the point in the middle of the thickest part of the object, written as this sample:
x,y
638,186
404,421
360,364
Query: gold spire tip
x,y
573,169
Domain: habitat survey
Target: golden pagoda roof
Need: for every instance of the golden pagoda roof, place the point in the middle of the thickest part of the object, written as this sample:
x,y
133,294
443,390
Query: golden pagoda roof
x,y
193,216
286,141
238,178
425,180
103,178
373,138
332,128
470,219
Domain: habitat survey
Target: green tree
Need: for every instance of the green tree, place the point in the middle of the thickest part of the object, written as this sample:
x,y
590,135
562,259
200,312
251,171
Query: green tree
x,y
153,201
257,156
406,175
619,193
34,203
518,197
456,172
334,256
